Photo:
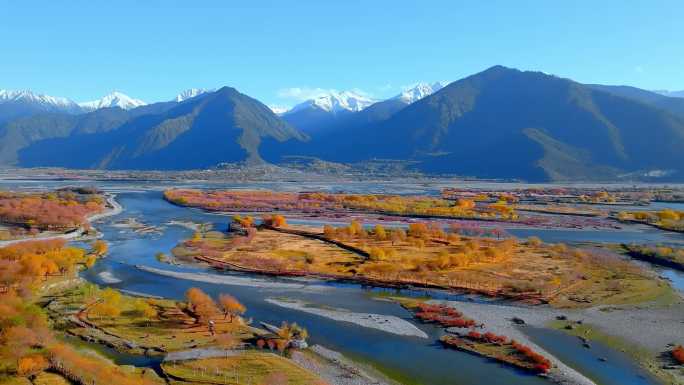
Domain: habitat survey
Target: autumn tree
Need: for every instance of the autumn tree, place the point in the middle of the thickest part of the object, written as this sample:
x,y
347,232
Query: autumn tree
x,y
668,214
376,254
397,235
355,227
109,305
231,306
99,247
534,241
418,230
201,304
328,231
144,309
380,233
31,364
279,221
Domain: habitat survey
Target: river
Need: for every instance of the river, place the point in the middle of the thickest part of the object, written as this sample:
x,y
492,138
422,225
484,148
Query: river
x,y
411,360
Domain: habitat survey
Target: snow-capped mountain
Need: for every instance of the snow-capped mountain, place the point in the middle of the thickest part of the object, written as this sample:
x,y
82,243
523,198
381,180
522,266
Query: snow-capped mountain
x,y
191,93
27,96
672,94
336,102
418,92
115,99
18,104
279,110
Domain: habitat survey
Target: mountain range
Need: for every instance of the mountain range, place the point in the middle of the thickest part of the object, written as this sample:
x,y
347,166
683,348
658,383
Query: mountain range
x,y
114,99
17,104
334,110
499,123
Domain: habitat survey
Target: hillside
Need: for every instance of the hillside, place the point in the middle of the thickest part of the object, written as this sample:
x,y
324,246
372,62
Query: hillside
x,y
674,105
223,126
505,123
20,133
500,123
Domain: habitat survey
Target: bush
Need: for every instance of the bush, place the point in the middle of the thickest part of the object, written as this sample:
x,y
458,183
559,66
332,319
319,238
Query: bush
x,y
678,354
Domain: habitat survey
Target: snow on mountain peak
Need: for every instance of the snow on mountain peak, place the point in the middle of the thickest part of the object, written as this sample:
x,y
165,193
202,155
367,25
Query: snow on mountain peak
x,y
191,93
418,91
334,101
278,110
29,96
671,94
114,99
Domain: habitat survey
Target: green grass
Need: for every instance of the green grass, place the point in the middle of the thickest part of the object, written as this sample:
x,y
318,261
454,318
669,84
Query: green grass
x,y
248,367
171,329
390,374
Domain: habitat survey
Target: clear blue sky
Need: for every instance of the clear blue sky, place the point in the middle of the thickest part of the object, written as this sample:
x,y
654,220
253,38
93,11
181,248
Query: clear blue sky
x,y
84,49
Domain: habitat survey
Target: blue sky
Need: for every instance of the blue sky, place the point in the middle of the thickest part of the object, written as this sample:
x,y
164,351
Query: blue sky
x,y
153,49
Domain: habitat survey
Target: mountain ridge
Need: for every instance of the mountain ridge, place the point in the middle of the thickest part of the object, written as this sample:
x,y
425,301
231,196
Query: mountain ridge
x,y
498,123
538,127
169,139
113,99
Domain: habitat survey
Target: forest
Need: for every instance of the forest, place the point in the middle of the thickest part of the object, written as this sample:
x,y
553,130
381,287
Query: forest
x,y
59,210
319,202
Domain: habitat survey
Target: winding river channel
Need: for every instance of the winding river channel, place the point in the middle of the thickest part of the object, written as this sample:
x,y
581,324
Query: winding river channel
x,y
408,359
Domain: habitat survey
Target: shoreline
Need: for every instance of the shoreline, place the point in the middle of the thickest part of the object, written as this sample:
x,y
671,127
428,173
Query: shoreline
x,y
334,367
363,281
499,323
386,323
231,280
624,323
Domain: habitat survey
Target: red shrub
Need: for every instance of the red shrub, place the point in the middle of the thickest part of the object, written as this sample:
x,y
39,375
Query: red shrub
x,y
474,335
678,354
443,315
542,364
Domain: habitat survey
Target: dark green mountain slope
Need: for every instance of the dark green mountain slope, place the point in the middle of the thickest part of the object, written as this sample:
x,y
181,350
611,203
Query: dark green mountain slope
x,y
506,123
224,126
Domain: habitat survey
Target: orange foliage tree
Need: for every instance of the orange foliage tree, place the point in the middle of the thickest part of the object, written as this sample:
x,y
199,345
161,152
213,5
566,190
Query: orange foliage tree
x,y
201,305
48,211
31,364
231,306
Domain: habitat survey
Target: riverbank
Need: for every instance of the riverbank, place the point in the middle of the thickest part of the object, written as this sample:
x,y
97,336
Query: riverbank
x,y
386,323
621,328
336,369
234,280
663,256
